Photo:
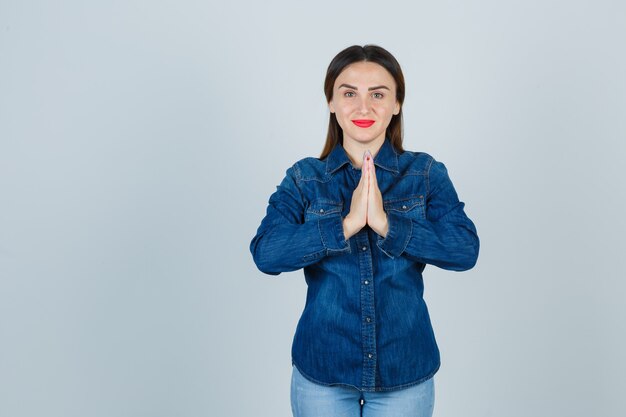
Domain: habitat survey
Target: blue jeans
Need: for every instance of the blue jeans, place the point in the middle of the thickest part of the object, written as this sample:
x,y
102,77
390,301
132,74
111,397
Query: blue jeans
x,y
309,399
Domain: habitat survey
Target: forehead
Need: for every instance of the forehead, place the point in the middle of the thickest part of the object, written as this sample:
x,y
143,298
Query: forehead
x,y
366,74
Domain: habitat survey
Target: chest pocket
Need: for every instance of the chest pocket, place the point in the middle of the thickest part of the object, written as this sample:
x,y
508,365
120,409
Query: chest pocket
x,y
323,208
412,207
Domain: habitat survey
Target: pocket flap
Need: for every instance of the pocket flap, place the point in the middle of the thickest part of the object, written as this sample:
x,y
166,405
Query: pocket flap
x,y
404,204
325,207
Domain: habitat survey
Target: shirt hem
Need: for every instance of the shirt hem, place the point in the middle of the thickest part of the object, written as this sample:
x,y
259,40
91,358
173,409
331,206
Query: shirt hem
x,y
375,389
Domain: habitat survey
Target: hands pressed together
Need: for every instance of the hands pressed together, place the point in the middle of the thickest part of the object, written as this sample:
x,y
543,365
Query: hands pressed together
x,y
367,203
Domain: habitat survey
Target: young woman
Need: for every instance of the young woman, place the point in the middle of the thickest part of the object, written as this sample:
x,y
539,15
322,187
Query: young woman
x,y
363,220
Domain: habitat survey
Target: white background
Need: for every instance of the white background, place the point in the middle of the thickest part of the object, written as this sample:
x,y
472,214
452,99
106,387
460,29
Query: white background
x,y
140,141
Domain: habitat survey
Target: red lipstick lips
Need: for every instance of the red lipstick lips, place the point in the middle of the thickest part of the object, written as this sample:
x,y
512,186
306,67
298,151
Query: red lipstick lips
x,y
363,122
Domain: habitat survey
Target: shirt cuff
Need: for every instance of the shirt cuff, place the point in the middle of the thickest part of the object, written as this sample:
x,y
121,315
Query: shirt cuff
x,y
398,235
331,232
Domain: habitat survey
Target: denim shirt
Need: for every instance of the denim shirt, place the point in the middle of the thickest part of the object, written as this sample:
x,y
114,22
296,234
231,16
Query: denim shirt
x,y
365,323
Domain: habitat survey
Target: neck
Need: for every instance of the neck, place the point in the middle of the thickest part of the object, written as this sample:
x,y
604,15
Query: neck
x,y
355,150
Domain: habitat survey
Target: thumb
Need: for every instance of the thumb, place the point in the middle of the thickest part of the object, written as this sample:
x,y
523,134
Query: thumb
x,y
364,174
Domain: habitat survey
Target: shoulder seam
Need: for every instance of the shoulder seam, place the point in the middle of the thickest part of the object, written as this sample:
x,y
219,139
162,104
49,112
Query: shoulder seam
x,y
298,180
296,170
430,164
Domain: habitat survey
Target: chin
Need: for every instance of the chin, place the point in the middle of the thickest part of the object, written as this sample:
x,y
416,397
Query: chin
x,y
365,138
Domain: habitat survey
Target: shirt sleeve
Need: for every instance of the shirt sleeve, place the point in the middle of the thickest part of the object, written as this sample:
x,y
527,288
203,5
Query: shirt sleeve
x,y
446,238
284,241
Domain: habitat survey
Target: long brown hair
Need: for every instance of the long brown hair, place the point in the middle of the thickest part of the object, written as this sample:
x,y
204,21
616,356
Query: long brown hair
x,y
350,55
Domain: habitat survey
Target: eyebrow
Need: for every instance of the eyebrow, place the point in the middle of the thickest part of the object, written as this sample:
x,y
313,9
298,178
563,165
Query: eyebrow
x,y
378,87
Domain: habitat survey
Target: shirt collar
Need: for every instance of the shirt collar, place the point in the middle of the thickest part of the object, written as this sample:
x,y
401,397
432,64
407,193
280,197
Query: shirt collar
x,y
386,158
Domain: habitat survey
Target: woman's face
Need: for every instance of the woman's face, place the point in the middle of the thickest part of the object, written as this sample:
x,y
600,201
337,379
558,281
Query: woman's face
x,y
364,101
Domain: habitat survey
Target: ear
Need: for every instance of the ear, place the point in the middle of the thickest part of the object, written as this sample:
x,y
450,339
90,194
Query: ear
x,y
396,110
331,107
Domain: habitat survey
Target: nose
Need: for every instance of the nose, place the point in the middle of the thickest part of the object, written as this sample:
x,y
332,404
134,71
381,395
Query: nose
x,y
364,105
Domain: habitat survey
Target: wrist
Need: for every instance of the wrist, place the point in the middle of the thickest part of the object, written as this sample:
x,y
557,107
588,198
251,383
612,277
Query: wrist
x,y
349,228
383,227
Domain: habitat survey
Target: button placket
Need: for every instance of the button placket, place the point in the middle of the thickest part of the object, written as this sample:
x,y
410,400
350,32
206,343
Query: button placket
x,y
368,330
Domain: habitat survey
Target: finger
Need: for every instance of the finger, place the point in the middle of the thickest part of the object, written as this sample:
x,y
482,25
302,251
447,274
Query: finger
x,y
372,170
368,162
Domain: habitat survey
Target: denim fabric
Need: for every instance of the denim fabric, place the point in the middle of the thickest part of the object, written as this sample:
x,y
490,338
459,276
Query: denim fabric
x,y
365,323
312,400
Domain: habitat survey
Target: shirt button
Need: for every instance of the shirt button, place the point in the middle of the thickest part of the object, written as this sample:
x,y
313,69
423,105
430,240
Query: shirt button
x,y
369,355
403,207
367,319
321,210
364,248
366,282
